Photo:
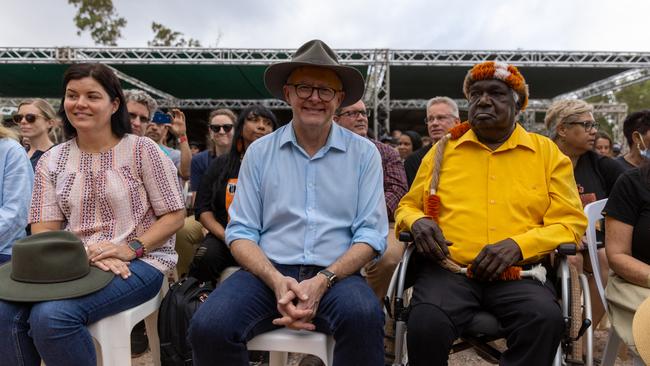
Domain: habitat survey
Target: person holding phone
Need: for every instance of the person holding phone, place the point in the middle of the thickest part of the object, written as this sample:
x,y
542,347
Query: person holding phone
x,y
118,194
162,124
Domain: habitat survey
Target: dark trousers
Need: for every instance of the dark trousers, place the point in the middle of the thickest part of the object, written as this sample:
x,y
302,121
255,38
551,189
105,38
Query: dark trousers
x,y
212,257
444,303
243,307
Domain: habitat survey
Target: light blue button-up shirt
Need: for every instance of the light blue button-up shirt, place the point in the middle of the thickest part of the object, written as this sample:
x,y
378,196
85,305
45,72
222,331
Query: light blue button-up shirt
x,y
16,182
309,210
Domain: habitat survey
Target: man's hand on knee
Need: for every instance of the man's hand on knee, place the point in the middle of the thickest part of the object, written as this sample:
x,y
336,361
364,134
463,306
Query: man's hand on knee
x,y
288,295
494,259
314,288
429,239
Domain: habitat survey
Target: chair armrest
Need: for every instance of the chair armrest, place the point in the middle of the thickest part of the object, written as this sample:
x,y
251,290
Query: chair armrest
x,y
405,236
567,249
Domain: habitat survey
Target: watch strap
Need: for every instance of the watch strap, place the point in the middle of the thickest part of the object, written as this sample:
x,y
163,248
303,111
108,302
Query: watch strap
x,y
331,277
138,247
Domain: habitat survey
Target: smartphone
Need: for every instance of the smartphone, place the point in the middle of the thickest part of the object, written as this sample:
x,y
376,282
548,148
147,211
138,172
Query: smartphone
x,y
161,118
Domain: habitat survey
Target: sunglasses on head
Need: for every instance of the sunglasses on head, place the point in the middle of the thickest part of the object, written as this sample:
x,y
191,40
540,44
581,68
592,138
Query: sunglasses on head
x,y
29,117
217,128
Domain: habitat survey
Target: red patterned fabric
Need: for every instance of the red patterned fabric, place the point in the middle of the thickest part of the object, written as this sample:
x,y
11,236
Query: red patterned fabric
x,y
394,177
115,195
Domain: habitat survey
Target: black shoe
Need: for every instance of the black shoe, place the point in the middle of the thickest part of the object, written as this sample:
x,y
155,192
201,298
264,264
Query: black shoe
x,y
139,340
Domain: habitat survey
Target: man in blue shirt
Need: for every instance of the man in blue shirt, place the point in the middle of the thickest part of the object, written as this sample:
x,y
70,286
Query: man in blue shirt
x,y
309,213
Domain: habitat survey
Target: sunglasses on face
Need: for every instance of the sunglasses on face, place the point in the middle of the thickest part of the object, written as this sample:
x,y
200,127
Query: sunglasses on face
x,y
29,117
217,128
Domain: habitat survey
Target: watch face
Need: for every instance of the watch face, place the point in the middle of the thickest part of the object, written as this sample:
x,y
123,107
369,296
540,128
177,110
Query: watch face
x,y
135,245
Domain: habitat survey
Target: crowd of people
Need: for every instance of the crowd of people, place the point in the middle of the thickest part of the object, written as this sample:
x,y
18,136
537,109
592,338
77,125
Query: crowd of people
x,y
310,211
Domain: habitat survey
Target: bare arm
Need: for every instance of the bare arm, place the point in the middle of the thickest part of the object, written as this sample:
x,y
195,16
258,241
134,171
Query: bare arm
x,y
178,128
209,222
41,227
618,236
166,226
352,260
250,256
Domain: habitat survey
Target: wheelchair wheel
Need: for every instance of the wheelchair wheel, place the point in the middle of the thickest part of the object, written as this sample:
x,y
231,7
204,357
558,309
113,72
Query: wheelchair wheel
x,y
579,330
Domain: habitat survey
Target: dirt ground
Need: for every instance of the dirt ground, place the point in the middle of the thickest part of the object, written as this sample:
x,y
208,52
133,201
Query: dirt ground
x,y
464,358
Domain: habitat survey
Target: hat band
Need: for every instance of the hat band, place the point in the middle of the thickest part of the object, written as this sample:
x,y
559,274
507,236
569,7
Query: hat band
x,y
72,277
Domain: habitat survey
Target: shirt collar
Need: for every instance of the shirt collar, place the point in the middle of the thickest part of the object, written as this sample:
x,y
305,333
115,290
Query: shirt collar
x,y
519,137
335,139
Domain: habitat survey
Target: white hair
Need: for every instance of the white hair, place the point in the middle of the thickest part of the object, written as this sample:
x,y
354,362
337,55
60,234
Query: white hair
x,y
444,100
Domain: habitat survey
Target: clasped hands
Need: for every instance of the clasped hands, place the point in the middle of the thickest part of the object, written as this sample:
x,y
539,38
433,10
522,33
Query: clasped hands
x,y
298,302
488,264
110,257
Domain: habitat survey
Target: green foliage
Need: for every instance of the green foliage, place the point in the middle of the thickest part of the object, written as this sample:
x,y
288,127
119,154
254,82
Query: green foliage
x,y
165,37
98,17
637,96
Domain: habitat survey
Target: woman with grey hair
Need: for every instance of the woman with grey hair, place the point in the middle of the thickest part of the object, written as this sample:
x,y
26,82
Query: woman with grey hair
x,y
572,127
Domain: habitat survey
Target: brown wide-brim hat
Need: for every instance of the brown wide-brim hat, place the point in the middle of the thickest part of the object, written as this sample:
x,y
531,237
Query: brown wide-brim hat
x,y
641,330
315,53
50,266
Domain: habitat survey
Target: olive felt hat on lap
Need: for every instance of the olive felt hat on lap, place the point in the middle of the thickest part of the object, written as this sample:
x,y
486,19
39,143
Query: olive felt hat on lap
x,y
50,266
315,53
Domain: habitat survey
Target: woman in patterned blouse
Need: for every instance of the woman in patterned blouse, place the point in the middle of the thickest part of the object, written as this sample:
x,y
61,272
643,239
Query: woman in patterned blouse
x,y
119,194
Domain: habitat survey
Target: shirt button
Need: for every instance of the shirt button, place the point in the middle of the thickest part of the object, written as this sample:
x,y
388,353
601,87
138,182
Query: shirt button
x,y
492,202
493,229
492,177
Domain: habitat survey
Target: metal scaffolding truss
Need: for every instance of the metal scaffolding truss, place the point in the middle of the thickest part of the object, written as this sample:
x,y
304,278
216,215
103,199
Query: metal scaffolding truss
x,y
377,61
263,56
534,105
166,55
521,58
610,84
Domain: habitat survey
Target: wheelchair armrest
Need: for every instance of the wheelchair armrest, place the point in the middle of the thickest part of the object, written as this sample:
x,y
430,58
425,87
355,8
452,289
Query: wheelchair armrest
x,y
567,249
405,236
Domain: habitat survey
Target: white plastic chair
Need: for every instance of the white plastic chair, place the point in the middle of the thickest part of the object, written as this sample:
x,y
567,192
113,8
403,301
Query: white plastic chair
x,y
280,342
113,334
593,212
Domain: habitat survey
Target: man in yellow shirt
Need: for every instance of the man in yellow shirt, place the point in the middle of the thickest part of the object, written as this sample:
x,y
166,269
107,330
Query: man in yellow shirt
x,y
506,197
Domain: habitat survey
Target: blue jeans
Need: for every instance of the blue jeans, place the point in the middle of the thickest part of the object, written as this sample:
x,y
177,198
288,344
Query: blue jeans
x,y
4,258
243,307
56,330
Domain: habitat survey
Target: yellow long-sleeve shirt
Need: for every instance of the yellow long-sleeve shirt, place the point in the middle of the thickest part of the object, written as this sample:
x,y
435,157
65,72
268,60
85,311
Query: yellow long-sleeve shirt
x,y
524,190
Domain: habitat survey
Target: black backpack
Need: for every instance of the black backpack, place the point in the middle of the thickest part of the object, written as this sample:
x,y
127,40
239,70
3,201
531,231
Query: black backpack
x,y
176,310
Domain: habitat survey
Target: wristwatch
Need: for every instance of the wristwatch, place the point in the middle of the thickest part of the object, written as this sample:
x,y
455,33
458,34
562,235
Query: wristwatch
x,y
331,277
137,246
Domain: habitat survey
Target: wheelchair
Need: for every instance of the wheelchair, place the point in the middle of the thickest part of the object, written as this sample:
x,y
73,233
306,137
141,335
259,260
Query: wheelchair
x,y
574,299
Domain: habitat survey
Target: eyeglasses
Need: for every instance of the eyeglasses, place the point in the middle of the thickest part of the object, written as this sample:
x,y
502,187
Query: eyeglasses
x,y
143,119
29,117
305,91
587,125
354,114
439,117
217,128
